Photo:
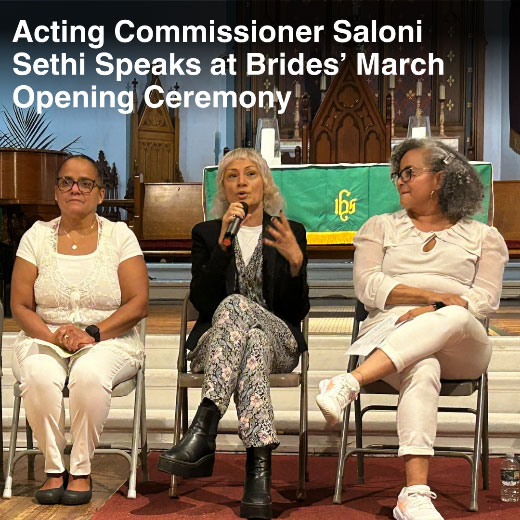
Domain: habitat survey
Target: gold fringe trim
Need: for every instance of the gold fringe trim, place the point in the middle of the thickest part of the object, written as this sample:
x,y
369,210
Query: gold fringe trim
x,y
330,237
514,141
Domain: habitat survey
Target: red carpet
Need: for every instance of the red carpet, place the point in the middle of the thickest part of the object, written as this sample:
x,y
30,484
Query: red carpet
x,y
218,497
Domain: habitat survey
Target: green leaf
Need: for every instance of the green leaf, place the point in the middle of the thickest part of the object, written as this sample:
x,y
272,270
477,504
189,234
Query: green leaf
x,y
28,129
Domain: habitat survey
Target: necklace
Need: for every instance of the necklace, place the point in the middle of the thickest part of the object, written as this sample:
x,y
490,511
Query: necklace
x,y
74,245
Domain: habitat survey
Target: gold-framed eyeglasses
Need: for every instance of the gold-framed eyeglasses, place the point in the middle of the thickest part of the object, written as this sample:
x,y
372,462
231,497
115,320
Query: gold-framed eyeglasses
x,y
407,174
85,185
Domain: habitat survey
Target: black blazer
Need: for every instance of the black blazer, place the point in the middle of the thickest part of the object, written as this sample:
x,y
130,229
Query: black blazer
x,y
214,277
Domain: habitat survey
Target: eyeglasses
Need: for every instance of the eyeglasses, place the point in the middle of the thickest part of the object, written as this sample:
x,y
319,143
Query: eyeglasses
x,y
85,185
407,174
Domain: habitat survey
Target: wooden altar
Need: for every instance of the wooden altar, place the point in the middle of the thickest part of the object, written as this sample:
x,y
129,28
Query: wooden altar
x,y
455,33
348,127
154,139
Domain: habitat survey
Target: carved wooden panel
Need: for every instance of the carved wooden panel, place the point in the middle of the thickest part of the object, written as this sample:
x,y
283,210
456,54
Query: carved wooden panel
x,y
155,159
348,126
451,30
157,156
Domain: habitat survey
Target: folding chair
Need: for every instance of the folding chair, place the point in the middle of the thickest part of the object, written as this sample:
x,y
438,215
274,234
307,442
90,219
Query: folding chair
x,y
139,430
187,380
457,388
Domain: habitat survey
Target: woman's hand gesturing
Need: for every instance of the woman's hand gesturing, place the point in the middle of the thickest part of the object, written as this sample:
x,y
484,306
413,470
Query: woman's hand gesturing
x,y
235,209
284,241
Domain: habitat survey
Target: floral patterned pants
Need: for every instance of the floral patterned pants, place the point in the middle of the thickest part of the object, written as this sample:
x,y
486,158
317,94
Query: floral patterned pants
x,y
245,344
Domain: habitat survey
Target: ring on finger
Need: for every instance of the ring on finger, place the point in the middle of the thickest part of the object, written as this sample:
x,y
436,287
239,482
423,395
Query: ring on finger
x,y
66,336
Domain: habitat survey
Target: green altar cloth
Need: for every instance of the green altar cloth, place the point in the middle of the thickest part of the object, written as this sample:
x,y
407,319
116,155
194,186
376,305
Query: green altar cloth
x,y
333,201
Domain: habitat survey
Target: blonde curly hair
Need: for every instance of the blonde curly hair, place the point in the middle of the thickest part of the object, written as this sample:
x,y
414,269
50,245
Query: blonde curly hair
x,y
272,200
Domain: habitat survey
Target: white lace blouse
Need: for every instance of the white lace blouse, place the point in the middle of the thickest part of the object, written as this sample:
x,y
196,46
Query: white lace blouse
x,y
88,294
468,259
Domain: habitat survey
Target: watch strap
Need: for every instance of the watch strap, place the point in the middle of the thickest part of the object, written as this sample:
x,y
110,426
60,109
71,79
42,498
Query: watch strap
x,y
93,330
438,305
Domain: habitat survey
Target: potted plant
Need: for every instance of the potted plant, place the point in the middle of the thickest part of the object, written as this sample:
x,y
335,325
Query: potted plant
x,y
27,162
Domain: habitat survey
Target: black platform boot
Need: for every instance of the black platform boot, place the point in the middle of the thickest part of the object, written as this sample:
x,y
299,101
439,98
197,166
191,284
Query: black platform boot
x,y
194,455
256,502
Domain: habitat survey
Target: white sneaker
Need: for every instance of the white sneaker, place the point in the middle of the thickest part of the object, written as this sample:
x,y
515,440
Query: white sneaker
x,y
415,503
335,395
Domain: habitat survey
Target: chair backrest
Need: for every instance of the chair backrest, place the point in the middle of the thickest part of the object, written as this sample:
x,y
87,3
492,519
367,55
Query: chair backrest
x,y
189,313
360,314
142,331
1,334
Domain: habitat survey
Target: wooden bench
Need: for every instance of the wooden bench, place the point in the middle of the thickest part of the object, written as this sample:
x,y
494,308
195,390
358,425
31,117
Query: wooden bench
x,y
164,215
507,214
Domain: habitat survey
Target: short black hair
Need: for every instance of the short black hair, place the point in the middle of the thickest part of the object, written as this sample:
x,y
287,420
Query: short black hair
x,y
85,158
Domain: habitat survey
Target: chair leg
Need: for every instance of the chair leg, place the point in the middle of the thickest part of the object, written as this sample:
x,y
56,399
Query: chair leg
x,y
302,455
307,478
485,436
2,475
473,504
341,456
306,419
184,411
144,434
30,446
360,457
181,418
138,403
12,449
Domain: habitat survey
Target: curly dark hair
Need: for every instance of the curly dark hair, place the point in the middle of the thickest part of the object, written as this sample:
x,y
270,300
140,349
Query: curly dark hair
x,y
461,192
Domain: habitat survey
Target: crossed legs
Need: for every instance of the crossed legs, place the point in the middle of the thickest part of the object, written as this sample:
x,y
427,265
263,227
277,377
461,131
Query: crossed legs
x,y
244,346
412,360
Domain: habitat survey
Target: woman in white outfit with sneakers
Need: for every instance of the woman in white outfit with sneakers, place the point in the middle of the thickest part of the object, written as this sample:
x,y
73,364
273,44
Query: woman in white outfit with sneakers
x,y
435,268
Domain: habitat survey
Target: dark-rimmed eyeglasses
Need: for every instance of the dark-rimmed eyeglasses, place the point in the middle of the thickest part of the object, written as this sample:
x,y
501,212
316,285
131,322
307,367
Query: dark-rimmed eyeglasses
x,y
84,184
407,174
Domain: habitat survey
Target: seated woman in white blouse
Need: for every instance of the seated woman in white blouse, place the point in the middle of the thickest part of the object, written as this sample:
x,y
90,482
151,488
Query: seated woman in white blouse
x,y
79,284
435,268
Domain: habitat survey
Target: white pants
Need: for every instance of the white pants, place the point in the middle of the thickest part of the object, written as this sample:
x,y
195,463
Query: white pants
x,y
91,376
449,343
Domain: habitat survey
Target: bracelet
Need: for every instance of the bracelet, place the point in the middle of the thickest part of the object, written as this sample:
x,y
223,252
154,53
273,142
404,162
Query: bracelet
x,y
438,305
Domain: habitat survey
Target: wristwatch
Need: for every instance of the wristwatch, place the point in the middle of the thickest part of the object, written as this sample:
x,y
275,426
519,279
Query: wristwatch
x,y
93,330
438,305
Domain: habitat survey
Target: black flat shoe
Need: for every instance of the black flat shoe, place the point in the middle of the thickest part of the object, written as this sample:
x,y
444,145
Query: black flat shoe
x,y
52,496
77,498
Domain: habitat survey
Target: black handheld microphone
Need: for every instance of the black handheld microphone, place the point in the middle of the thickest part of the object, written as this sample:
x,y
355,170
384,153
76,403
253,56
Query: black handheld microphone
x,y
234,226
